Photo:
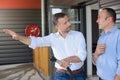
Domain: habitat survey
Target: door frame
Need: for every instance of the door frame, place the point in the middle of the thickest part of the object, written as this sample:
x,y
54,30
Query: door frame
x,y
89,37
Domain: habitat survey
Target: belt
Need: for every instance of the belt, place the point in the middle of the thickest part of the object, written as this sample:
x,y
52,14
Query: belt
x,y
100,78
74,72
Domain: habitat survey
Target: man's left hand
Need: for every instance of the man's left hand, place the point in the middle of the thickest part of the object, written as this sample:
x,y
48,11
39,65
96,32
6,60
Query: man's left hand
x,y
117,77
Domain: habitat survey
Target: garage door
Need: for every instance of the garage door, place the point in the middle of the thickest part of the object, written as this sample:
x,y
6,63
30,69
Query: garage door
x,y
12,51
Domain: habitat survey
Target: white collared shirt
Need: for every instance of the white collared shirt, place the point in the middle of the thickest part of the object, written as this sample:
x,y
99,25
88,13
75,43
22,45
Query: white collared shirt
x,y
73,45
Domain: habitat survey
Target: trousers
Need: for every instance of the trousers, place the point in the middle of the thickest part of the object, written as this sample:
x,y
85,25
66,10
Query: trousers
x,y
64,76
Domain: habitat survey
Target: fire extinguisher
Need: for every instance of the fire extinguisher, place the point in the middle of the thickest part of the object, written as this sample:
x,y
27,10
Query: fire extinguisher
x,y
32,30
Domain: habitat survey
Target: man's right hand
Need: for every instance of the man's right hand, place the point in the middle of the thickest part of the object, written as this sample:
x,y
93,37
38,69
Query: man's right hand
x,y
12,33
99,50
64,63
24,39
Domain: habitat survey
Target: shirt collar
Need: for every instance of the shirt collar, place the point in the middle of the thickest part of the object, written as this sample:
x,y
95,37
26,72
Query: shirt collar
x,y
113,29
57,33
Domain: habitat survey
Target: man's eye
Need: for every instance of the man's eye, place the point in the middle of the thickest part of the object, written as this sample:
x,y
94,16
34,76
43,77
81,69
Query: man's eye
x,y
65,23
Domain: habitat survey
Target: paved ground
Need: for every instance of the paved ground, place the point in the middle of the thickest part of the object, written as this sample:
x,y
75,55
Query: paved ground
x,y
93,78
23,72
19,72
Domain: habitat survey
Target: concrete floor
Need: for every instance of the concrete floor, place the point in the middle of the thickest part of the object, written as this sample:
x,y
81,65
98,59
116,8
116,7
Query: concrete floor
x,y
19,72
93,78
23,72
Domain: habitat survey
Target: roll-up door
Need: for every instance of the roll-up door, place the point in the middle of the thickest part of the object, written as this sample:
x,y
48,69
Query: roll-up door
x,y
12,51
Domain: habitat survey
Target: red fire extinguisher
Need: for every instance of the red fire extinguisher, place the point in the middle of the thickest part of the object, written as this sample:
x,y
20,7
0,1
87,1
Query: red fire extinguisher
x,y
32,30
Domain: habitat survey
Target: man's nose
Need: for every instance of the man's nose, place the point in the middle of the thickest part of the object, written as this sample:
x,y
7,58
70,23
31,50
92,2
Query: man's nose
x,y
69,23
97,21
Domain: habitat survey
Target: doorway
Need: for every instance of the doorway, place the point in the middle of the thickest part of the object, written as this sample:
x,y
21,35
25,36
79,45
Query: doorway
x,y
95,35
73,14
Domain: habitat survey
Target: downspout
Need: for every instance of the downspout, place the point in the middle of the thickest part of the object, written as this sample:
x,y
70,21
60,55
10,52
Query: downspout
x,y
43,16
89,42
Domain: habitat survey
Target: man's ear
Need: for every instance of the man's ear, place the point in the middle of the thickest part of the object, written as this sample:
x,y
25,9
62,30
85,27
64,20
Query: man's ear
x,y
110,19
56,27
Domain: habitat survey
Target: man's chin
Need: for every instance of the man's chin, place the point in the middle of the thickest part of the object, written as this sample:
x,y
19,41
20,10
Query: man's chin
x,y
99,27
68,30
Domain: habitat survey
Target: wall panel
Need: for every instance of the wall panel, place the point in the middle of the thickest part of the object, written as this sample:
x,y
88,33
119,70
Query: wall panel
x,y
12,51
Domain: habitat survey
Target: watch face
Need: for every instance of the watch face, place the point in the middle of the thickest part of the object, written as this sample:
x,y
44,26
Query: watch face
x,y
32,30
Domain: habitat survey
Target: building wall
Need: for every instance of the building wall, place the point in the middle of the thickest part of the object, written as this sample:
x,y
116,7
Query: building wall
x,y
20,4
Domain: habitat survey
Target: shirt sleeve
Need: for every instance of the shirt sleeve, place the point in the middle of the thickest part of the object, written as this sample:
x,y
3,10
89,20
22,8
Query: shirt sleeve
x,y
94,63
82,48
118,55
40,41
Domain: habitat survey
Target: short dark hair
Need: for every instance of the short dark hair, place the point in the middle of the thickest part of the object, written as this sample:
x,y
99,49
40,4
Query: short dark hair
x,y
57,16
111,12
